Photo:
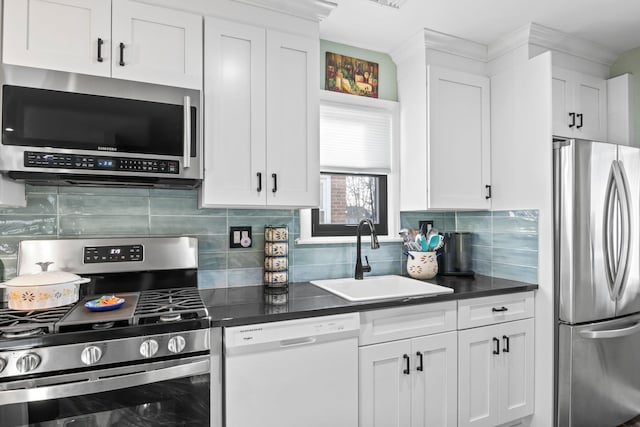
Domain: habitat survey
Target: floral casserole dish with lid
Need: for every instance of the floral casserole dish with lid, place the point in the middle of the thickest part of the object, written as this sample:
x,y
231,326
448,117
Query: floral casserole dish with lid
x,y
43,290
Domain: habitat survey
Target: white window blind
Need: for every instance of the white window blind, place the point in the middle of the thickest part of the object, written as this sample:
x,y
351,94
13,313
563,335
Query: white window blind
x,y
354,138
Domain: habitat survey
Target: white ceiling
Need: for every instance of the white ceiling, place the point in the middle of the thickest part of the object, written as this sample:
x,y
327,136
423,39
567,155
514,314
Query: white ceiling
x,y
614,24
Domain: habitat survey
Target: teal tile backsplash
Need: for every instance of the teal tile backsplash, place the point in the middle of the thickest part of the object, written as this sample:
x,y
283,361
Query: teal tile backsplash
x,y
505,243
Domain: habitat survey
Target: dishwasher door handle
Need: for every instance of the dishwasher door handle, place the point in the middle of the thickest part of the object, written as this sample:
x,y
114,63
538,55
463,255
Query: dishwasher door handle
x,y
297,341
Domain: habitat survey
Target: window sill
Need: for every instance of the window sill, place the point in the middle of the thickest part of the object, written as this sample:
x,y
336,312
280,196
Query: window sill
x,y
343,239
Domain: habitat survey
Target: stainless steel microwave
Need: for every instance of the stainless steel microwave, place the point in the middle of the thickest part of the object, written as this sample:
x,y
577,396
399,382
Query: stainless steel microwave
x,y
69,136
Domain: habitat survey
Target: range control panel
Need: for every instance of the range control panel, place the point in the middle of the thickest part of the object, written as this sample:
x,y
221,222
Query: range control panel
x,y
75,161
126,253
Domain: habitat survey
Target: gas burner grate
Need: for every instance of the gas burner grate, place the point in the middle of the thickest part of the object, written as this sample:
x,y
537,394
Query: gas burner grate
x,y
12,321
169,305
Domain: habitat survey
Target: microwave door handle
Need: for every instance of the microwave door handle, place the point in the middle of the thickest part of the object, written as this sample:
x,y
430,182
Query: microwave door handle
x,y
186,160
80,388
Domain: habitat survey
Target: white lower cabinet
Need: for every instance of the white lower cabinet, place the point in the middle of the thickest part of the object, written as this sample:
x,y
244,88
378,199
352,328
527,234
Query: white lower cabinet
x,y
495,373
410,382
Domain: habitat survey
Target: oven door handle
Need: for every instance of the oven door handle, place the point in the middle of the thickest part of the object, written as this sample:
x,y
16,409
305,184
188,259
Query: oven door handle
x,y
186,160
80,388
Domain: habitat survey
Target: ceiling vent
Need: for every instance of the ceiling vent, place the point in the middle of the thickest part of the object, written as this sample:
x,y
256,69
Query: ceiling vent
x,y
395,4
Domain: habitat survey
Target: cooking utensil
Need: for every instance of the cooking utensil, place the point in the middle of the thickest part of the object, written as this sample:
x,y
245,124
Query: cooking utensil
x,y
43,290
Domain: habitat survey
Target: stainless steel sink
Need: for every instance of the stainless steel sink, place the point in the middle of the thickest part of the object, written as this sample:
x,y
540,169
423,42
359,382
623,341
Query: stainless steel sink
x,y
379,287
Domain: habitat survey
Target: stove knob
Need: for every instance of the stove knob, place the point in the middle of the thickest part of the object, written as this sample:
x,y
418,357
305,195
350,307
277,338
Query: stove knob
x,y
3,364
27,363
149,348
177,344
91,355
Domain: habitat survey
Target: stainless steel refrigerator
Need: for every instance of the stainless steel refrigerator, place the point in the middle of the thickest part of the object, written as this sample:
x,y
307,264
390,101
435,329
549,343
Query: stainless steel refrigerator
x,y
597,282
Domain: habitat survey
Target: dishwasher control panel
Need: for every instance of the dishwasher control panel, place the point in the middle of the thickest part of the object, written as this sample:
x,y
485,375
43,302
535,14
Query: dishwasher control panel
x,y
292,332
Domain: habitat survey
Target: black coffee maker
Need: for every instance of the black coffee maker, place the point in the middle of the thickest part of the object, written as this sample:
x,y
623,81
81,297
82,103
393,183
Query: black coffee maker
x,y
455,256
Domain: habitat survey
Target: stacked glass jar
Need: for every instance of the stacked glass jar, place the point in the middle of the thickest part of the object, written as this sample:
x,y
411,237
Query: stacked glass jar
x,y
276,264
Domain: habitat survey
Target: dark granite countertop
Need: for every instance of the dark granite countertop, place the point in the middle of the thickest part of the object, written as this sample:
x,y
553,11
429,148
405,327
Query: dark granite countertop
x,y
245,305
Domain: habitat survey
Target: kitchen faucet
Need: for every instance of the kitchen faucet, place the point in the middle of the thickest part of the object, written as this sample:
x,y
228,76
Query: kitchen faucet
x,y
374,245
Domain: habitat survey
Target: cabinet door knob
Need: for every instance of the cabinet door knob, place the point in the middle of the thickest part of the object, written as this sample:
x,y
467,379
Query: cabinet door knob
x,y
579,117
122,54
420,367
496,341
573,119
408,367
100,43
505,349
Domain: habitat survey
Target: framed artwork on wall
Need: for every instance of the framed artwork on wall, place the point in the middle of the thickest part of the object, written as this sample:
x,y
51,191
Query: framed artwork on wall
x,y
351,75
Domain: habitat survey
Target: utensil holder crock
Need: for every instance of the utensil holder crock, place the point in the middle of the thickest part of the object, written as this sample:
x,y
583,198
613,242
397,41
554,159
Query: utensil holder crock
x,y
422,265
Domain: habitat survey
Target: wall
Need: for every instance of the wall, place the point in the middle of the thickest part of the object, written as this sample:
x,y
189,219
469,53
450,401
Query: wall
x,y
387,83
73,212
505,243
629,62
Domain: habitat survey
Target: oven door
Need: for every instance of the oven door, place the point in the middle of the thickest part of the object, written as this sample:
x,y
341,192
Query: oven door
x,y
174,392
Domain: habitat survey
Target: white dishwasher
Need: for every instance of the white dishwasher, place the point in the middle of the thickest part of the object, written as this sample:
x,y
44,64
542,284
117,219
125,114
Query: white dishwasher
x,y
293,373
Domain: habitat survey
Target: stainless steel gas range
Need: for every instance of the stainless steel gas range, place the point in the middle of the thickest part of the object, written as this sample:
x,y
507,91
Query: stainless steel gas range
x,y
146,363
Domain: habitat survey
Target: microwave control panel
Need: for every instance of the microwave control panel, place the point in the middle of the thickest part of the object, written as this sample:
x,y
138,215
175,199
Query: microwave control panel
x,y
75,161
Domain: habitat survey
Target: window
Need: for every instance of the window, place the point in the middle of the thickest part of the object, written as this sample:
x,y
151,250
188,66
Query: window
x,y
356,163
345,199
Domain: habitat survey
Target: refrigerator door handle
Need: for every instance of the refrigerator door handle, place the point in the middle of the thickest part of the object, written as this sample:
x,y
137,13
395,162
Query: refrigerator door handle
x,y
611,333
624,232
607,229
617,251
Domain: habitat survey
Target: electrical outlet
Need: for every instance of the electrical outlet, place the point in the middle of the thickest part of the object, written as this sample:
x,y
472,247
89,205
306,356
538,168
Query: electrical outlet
x,y
240,237
427,225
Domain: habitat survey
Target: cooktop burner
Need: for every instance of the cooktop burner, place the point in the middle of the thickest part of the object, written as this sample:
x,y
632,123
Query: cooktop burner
x,y
18,324
169,305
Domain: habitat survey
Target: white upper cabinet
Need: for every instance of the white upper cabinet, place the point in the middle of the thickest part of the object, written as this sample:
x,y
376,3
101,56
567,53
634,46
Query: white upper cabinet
x,y
579,105
293,159
261,127
458,140
156,45
63,35
235,141
159,45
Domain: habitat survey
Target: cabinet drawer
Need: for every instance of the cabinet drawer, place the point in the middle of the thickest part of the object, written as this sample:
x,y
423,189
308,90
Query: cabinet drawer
x,y
497,309
406,322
